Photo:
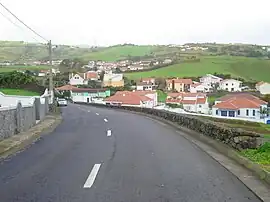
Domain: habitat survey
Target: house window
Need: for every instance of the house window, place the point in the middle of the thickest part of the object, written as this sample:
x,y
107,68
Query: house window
x,y
232,89
216,112
253,113
238,112
226,88
200,106
224,113
232,84
226,84
247,112
231,113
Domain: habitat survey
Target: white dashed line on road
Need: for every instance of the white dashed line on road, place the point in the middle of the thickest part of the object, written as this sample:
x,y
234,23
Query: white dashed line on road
x,y
89,111
105,120
109,133
97,114
91,178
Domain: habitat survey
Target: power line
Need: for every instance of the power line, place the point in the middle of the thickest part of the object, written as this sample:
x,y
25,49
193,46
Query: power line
x,y
16,25
23,22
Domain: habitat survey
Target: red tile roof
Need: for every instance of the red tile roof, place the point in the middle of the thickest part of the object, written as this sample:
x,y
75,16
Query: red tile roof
x,y
91,75
240,102
89,90
181,98
127,97
67,87
242,95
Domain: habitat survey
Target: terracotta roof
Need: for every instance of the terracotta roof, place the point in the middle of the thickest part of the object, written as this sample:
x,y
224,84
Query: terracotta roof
x,y
242,95
184,81
89,90
144,92
91,75
180,98
67,87
127,97
239,102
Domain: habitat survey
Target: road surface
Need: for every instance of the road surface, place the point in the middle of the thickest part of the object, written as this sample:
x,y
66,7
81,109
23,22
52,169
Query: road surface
x,y
101,155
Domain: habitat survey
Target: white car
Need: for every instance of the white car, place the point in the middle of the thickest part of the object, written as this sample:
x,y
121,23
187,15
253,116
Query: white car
x,y
62,102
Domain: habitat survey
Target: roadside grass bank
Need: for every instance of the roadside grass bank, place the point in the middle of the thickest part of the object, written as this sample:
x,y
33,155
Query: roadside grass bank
x,y
12,91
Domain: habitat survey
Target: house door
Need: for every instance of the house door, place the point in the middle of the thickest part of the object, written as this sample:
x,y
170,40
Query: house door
x,y
268,122
88,100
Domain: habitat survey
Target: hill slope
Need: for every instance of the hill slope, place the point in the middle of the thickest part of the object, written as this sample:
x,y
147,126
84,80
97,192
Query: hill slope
x,y
252,69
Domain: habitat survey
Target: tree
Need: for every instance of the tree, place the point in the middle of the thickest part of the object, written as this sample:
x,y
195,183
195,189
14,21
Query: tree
x,y
101,76
117,70
161,83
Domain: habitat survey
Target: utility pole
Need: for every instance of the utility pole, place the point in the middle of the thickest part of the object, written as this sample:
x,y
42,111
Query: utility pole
x,y
51,75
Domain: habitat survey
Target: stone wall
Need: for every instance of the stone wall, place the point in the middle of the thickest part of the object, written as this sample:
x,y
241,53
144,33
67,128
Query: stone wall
x,y
235,138
14,120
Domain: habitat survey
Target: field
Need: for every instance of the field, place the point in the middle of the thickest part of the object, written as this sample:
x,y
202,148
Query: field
x,y
251,69
120,52
13,68
8,91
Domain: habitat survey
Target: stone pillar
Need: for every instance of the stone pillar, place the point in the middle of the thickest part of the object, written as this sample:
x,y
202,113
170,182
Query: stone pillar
x,y
37,107
18,117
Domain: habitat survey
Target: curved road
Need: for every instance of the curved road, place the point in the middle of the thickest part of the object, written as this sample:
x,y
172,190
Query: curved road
x,y
100,155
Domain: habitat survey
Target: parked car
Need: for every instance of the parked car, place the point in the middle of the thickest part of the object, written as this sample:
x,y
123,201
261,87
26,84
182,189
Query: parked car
x,y
62,102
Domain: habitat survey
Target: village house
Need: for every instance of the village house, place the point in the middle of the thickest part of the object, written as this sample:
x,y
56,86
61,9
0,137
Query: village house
x,y
179,85
146,84
210,80
241,105
200,88
135,67
263,87
191,102
89,95
114,80
230,85
82,78
131,98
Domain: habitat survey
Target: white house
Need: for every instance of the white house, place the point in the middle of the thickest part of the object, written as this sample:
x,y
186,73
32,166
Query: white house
x,y
239,105
210,79
77,79
146,84
263,87
200,88
230,85
191,102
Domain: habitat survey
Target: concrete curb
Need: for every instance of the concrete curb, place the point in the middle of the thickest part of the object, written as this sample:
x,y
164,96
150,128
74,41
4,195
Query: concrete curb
x,y
20,141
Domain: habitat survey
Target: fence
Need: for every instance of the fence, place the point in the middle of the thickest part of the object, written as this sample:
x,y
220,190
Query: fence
x,y
16,119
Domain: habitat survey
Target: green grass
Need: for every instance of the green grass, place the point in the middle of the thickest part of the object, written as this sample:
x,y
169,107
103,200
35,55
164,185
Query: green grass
x,y
161,96
9,91
260,156
119,52
247,68
13,68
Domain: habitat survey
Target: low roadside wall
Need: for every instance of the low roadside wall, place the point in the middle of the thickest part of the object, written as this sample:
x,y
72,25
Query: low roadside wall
x,y
236,138
16,119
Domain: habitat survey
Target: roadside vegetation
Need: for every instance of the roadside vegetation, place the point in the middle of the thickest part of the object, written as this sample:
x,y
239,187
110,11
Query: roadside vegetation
x,y
21,67
10,91
260,155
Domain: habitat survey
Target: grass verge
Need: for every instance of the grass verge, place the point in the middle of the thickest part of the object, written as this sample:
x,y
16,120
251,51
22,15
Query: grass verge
x,y
260,156
10,91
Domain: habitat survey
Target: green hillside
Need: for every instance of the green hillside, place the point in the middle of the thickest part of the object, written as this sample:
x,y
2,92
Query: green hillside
x,y
247,68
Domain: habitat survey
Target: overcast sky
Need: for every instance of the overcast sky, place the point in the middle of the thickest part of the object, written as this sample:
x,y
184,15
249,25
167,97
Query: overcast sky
x,y
108,22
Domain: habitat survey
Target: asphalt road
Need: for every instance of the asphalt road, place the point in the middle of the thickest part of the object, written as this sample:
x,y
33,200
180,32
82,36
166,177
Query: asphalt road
x,y
100,155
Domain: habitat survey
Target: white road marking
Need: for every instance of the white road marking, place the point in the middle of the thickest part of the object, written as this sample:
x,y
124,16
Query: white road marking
x,y
91,178
89,111
109,133
105,120
97,114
